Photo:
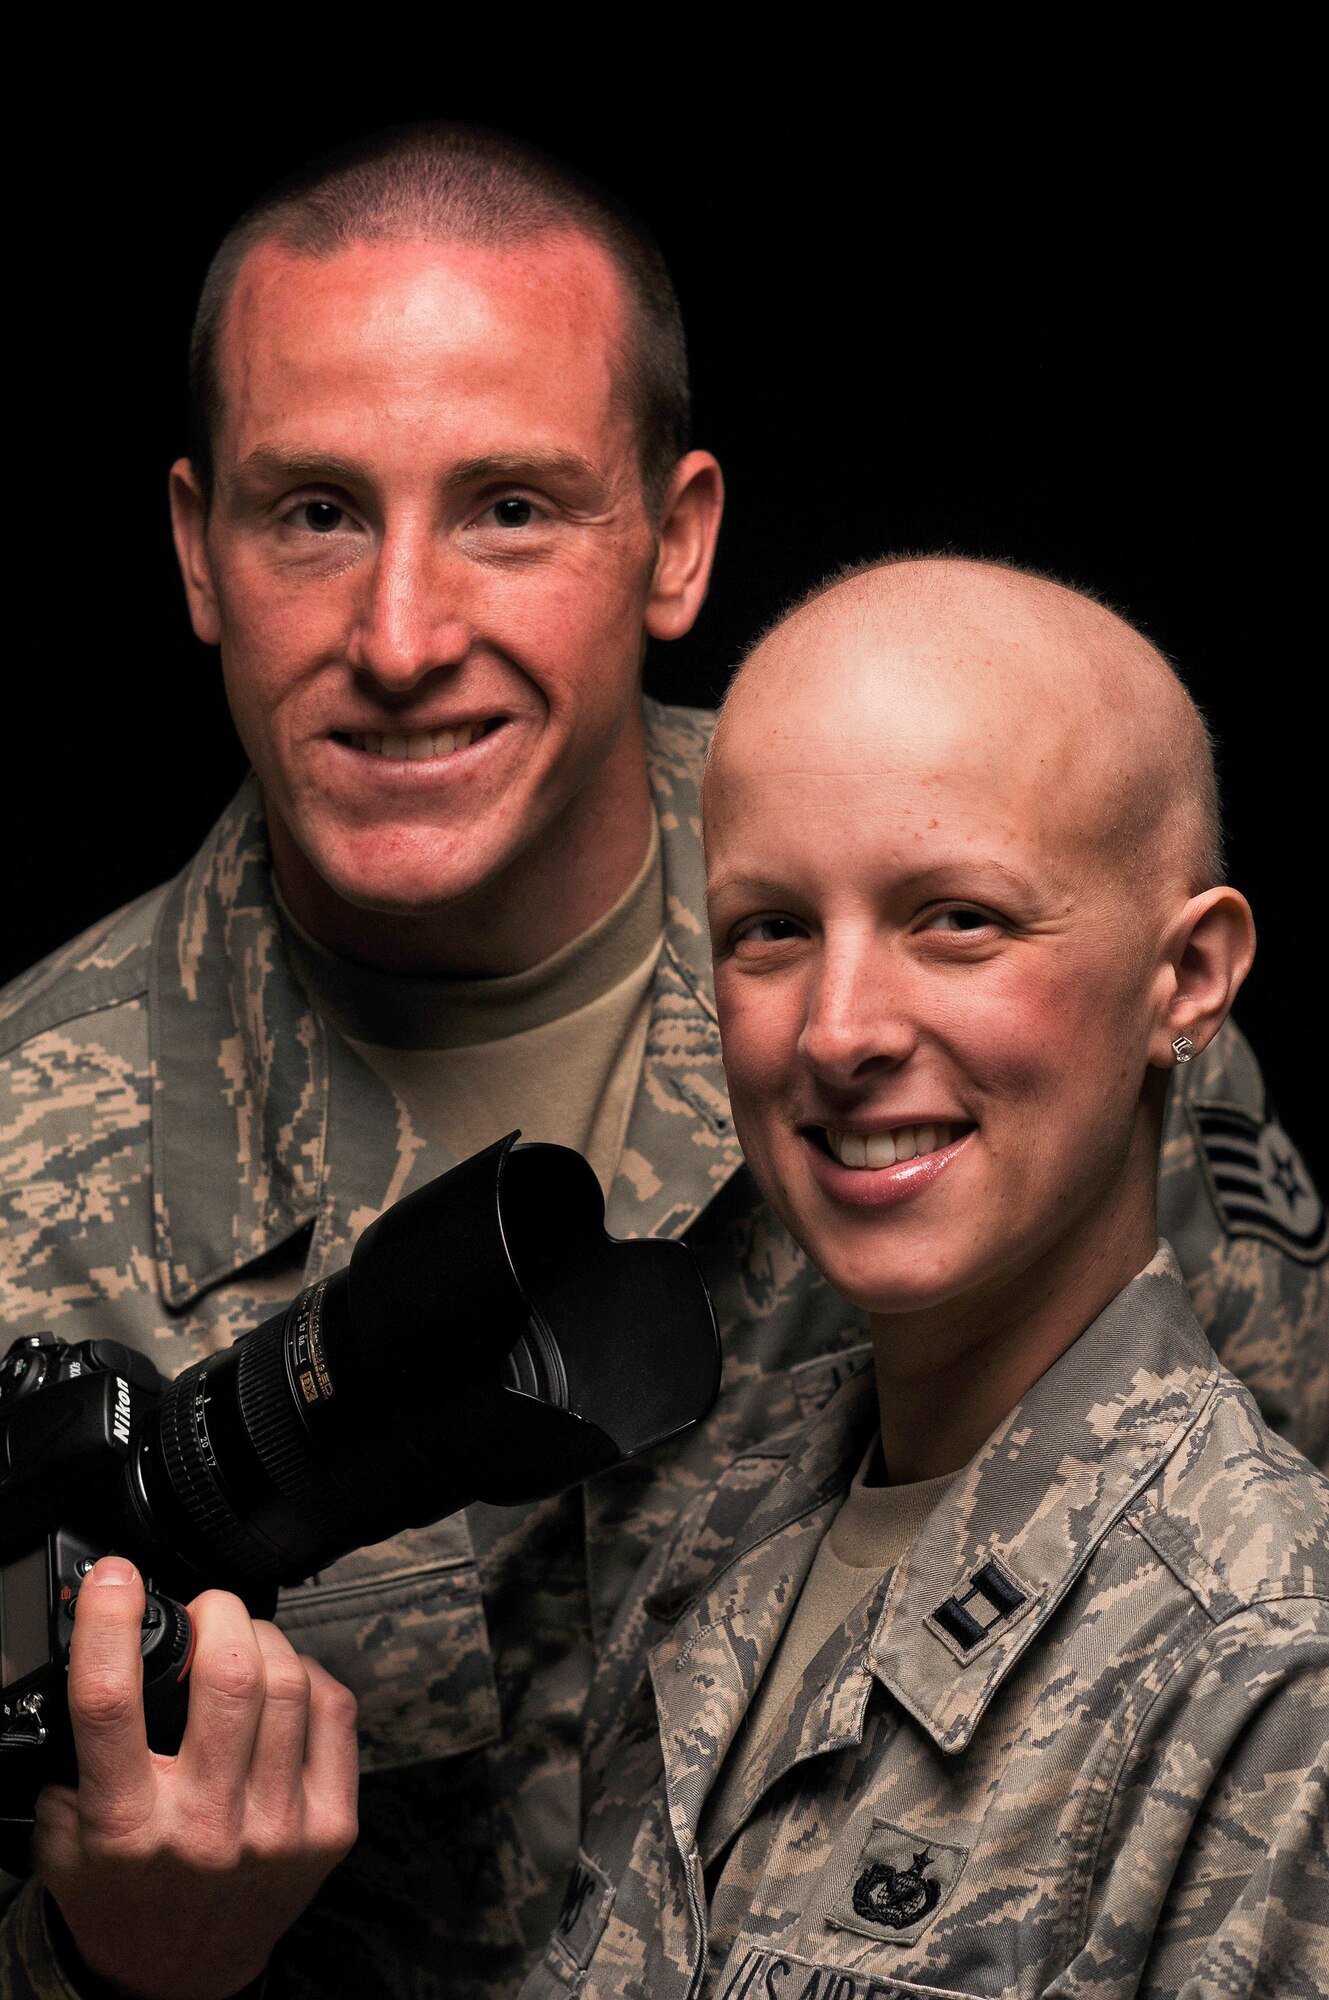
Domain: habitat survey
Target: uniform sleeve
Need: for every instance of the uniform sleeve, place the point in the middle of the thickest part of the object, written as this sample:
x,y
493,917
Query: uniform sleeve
x,y
29,1969
1249,1228
1248,1911
1216,1871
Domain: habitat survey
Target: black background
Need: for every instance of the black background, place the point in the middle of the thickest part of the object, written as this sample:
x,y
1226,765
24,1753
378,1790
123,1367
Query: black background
x,y
1072,338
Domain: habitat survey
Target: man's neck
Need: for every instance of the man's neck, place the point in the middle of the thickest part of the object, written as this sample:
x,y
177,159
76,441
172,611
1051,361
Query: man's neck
x,y
550,893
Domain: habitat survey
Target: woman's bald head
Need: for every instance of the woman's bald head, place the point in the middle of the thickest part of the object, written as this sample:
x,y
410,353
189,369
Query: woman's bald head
x,y
1013,658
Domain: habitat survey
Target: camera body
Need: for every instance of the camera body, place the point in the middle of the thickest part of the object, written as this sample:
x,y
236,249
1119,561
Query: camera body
x,y
488,1341
67,1417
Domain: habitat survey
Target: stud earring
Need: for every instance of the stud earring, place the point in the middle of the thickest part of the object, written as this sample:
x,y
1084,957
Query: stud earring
x,y
1183,1048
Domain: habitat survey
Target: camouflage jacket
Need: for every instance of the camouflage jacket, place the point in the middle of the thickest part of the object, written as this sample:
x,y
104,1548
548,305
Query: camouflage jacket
x,y
1076,1744
184,1144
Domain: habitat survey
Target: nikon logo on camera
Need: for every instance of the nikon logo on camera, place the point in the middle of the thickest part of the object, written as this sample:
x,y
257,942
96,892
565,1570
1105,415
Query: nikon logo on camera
x,y
120,1420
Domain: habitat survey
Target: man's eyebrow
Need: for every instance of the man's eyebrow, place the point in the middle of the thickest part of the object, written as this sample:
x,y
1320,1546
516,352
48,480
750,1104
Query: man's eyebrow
x,y
283,464
287,463
531,466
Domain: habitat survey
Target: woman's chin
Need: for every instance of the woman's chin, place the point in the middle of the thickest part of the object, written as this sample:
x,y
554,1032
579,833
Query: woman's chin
x,y
888,1294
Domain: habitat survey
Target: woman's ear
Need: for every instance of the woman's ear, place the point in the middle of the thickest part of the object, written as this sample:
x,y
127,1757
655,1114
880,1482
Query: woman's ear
x,y
1208,955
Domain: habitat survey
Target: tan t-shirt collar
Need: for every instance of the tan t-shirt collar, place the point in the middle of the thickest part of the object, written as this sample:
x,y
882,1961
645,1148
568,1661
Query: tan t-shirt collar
x,y
407,1011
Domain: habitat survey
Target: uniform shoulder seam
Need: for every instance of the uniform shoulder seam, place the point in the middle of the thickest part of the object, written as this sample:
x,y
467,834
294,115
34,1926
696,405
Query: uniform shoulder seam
x,y
95,972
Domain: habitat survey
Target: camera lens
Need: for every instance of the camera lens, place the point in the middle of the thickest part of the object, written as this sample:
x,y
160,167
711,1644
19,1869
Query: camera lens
x,y
535,1367
487,1341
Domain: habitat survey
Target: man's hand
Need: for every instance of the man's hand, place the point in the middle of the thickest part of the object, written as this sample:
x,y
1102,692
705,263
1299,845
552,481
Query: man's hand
x,y
178,1874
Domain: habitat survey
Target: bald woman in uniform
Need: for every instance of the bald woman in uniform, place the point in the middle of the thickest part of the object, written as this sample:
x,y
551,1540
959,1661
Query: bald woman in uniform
x,y
1008,1673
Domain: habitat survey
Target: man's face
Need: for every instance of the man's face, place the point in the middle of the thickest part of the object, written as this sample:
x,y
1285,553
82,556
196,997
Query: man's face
x,y
935,1002
428,556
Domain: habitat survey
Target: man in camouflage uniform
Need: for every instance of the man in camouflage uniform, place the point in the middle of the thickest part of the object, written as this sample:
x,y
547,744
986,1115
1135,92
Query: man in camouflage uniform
x,y
188,1141
1072,1737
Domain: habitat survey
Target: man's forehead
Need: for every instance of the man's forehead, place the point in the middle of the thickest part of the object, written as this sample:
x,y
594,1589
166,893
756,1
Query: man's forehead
x,y
554,290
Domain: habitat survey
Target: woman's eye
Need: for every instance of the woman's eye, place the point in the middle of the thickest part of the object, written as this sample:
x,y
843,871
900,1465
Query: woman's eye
x,y
322,516
513,512
769,930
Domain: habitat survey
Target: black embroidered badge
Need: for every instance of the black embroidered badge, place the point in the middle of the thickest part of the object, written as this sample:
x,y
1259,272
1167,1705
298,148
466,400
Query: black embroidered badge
x,y
991,1598
1258,1181
896,1883
896,1896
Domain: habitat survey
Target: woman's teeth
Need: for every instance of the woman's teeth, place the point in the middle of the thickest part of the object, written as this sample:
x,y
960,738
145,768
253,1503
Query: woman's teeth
x,y
420,743
885,1149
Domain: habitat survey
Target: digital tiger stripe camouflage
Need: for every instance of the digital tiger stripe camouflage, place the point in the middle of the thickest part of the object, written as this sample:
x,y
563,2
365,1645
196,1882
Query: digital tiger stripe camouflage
x,y
184,1144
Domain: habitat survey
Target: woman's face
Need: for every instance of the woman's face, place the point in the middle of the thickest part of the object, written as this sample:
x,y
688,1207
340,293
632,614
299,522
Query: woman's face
x,y
936,985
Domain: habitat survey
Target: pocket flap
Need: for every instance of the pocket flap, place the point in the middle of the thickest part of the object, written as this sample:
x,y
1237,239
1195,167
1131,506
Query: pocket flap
x,y
403,1626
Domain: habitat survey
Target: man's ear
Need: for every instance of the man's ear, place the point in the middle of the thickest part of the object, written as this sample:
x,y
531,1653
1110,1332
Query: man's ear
x,y
1209,953
689,526
189,524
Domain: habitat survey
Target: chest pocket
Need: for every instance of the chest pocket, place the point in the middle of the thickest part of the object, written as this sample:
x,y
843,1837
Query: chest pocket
x,y
403,1626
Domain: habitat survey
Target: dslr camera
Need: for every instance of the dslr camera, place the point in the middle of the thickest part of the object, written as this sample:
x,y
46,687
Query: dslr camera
x,y
487,1341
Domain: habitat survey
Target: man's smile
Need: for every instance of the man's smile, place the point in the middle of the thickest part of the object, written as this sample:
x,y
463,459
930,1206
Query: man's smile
x,y
417,756
416,745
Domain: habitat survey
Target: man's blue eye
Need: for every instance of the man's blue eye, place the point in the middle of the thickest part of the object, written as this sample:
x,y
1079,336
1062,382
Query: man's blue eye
x,y
322,516
512,513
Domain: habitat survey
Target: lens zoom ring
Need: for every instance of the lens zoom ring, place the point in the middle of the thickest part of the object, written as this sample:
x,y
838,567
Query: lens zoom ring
x,y
286,1452
196,1487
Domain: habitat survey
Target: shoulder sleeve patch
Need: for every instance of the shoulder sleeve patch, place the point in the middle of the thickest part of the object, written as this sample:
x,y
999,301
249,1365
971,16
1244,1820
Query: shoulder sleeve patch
x,y
1259,1182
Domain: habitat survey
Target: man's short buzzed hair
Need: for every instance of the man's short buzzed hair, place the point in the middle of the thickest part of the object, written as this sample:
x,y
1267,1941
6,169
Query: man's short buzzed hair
x,y
458,183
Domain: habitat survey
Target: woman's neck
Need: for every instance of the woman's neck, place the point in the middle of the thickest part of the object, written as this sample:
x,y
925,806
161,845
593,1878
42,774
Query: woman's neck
x,y
947,1376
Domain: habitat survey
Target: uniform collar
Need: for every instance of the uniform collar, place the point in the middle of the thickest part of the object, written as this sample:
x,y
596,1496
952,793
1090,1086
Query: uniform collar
x,y
989,1568
997,1557
726,1624
239,1067
266,1123
680,1148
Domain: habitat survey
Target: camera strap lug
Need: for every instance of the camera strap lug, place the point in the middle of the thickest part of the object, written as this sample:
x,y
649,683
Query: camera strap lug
x,y
23,1728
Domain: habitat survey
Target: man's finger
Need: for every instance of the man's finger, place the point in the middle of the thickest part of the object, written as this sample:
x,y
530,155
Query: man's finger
x,y
332,1761
277,1765
226,1693
116,1778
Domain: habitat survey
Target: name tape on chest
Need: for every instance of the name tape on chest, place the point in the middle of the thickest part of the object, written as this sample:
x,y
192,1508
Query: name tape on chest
x,y
755,1973
587,1901
1258,1181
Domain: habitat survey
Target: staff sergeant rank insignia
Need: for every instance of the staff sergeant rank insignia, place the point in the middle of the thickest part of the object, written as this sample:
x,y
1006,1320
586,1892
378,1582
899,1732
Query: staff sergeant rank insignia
x,y
1258,1183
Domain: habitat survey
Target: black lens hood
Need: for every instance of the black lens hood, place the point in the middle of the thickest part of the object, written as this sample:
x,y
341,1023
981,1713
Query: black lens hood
x,y
509,1244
